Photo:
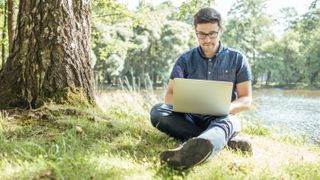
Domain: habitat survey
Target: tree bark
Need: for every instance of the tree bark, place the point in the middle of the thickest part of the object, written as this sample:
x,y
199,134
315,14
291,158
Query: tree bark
x,y
50,56
10,23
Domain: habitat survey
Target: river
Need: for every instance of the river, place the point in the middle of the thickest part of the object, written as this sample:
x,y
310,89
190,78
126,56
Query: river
x,y
293,111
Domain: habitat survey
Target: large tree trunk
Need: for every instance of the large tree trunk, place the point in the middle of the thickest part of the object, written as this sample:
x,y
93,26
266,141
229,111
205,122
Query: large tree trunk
x,y
50,57
10,23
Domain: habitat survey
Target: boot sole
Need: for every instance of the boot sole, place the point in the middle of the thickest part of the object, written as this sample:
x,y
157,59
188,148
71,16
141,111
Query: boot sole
x,y
193,152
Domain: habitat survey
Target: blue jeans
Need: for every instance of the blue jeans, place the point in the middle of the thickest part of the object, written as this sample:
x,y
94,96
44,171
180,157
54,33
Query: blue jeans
x,y
217,129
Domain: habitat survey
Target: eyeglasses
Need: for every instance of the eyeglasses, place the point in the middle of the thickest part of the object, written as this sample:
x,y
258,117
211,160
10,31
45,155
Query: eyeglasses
x,y
211,35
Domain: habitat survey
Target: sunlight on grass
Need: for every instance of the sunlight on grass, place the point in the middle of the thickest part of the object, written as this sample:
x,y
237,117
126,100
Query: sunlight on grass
x,y
126,146
18,169
3,119
304,171
4,127
256,128
119,167
134,101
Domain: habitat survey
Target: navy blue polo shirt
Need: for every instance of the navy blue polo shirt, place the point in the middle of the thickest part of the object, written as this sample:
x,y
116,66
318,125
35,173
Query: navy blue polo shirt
x,y
226,65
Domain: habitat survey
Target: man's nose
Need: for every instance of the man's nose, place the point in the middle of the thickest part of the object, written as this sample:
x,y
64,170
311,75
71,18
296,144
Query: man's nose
x,y
207,39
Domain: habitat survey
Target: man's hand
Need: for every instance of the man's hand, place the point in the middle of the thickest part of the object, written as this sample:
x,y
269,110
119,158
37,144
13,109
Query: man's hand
x,y
244,100
169,93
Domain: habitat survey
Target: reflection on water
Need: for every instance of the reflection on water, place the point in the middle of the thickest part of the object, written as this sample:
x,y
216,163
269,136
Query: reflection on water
x,y
295,111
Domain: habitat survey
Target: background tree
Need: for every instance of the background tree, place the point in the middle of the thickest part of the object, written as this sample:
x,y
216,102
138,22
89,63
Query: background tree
x,y
147,34
7,23
4,7
270,61
50,58
155,58
141,44
112,31
189,8
159,42
308,28
11,16
247,28
292,61
294,57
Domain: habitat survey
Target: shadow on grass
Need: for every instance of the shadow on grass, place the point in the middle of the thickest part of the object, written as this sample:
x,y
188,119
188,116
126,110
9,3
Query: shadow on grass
x,y
64,145
164,171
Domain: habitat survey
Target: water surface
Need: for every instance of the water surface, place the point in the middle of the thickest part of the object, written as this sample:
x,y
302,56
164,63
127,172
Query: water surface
x,y
294,111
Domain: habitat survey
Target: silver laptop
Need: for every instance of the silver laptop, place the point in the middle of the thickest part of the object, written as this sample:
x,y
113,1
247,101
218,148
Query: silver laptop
x,y
202,96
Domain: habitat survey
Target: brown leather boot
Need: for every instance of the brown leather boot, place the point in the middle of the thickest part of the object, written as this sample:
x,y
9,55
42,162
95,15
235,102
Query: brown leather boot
x,y
241,144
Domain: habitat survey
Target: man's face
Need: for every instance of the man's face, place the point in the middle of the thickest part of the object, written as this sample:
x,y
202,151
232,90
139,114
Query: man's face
x,y
208,36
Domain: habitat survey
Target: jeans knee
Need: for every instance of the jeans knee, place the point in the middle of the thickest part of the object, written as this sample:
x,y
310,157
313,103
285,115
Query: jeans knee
x,y
236,124
155,108
155,114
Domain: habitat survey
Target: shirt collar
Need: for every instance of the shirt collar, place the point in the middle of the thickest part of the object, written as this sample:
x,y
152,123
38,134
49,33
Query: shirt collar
x,y
204,56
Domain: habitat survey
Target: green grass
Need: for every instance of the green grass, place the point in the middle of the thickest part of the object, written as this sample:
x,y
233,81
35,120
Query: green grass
x,y
118,142
304,171
256,128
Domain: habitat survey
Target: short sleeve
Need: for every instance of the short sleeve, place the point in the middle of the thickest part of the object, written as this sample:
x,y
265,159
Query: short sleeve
x,y
243,71
178,69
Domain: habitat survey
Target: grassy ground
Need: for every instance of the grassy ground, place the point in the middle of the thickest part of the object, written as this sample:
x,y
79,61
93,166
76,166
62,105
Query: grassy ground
x,y
118,142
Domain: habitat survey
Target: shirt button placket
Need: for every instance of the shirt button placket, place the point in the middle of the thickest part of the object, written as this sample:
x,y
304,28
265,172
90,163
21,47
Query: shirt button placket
x,y
210,69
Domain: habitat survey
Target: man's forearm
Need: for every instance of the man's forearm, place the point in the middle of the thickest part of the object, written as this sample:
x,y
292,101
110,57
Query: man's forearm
x,y
241,104
169,98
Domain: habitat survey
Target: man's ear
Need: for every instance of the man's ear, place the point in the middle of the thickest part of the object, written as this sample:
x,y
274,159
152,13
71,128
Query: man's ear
x,y
221,31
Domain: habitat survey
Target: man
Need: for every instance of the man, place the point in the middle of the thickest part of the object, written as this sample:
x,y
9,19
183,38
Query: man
x,y
206,135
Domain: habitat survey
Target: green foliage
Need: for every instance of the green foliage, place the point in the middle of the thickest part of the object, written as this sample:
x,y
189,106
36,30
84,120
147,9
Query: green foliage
x,y
143,44
299,49
247,28
111,46
143,47
189,8
270,63
284,64
110,11
289,59
308,30
111,33
159,51
288,17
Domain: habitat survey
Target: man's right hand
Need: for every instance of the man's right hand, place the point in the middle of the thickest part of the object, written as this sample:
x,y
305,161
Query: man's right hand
x,y
169,93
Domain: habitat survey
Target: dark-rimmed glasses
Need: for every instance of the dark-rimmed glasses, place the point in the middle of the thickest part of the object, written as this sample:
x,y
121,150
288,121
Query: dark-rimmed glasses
x,y
211,35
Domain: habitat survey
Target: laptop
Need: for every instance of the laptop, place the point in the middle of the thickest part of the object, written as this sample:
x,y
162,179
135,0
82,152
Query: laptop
x,y
202,96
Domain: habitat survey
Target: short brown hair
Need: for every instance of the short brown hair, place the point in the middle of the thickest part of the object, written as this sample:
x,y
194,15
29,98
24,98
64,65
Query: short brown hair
x,y
207,15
